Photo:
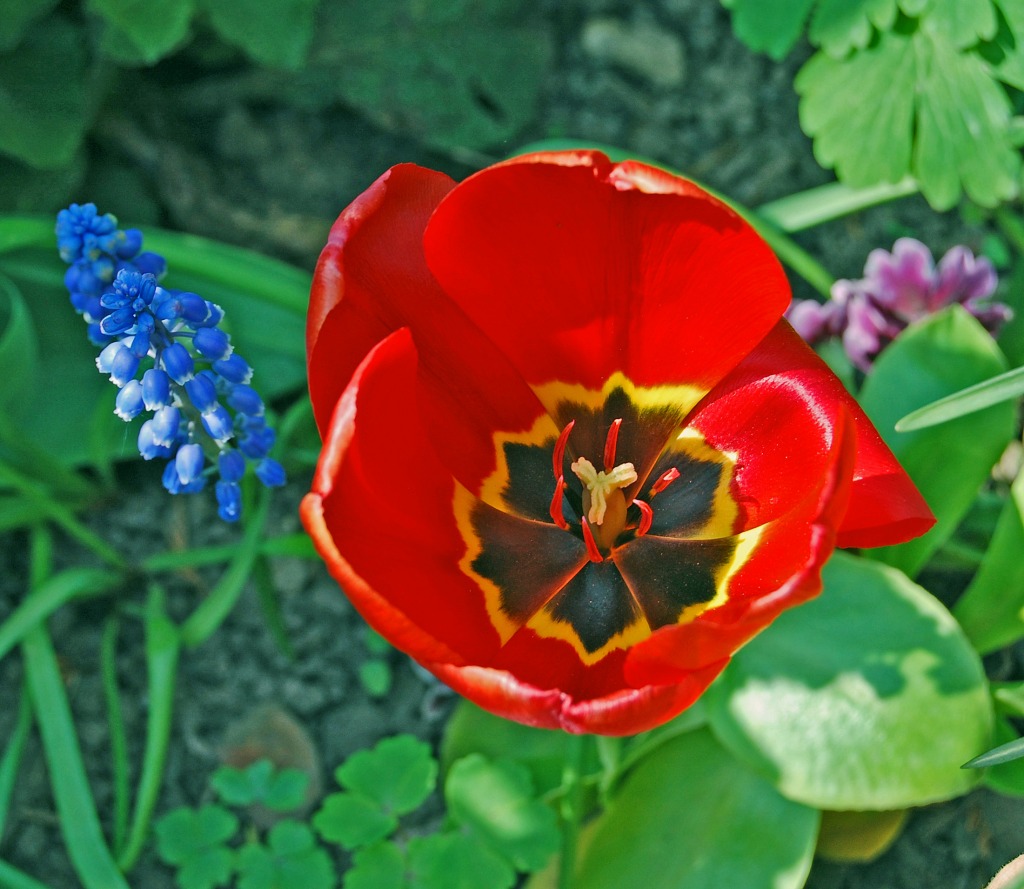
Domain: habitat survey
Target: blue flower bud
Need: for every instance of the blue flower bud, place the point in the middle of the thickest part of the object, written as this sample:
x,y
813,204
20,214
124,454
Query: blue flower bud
x,y
192,308
244,399
214,315
202,393
257,441
231,465
140,344
118,321
178,363
148,447
128,404
151,263
173,484
105,360
124,366
270,472
164,425
156,388
229,501
128,244
189,462
217,423
234,368
212,343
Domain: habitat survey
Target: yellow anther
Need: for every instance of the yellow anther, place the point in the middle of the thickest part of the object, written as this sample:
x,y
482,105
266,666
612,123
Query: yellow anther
x,y
601,484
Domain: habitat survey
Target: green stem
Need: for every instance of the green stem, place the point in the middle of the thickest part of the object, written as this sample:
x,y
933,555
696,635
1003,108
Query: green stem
x,y
118,739
163,646
826,203
11,762
12,878
297,545
571,808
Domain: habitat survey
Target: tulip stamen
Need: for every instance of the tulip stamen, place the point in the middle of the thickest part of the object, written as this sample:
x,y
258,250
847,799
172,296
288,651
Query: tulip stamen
x,y
610,443
646,517
593,551
558,455
601,484
556,504
664,480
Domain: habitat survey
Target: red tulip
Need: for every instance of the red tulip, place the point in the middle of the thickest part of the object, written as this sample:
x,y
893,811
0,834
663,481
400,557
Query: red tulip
x,y
573,456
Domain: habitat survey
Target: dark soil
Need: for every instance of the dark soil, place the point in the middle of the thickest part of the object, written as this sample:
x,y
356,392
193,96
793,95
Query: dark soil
x,y
202,156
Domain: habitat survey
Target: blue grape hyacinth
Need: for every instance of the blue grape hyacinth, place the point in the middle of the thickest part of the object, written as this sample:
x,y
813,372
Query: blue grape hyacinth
x,y
165,351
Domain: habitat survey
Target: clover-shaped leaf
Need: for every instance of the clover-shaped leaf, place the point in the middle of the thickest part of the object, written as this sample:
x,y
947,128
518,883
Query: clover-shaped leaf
x,y
456,861
380,866
277,789
353,820
495,799
291,859
399,773
194,840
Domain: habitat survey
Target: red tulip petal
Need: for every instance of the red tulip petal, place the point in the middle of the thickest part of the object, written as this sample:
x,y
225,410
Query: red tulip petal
x,y
575,268
885,507
381,515
371,280
624,712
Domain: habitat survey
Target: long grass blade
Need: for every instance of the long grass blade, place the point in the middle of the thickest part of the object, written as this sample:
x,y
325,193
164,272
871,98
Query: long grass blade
x,y
1004,387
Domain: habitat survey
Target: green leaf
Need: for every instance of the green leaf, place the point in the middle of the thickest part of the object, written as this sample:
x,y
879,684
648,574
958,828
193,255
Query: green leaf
x,y
860,110
1006,777
1005,54
18,15
769,26
1004,387
912,103
869,697
456,861
398,774
931,359
260,782
691,816
183,834
472,730
398,63
43,95
276,34
153,29
19,346
962,22
496,799
375,677
991,609
841,25
353,820
292,860
380,866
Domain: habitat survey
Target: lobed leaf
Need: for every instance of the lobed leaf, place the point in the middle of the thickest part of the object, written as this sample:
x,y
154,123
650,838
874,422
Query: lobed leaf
x,y
353,820
868,697
183,834
398,774
839,26
275,34
152,29
18,15
456,861
769,26
291,859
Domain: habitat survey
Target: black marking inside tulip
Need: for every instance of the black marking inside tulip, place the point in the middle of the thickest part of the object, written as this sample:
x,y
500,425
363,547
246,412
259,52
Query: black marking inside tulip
x,y
669,556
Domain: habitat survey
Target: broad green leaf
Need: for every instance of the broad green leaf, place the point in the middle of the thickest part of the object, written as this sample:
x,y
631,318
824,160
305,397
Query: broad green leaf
x,y
290,860
868,697
497,801
858,836
472,730
841,25
19,346
353,820
769,26
860,110
962,127
440,71
398,774
381,866
25,189
456,861
1006,53
44,87
991,609
153,29
275,34
948,463
18,15
691,816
